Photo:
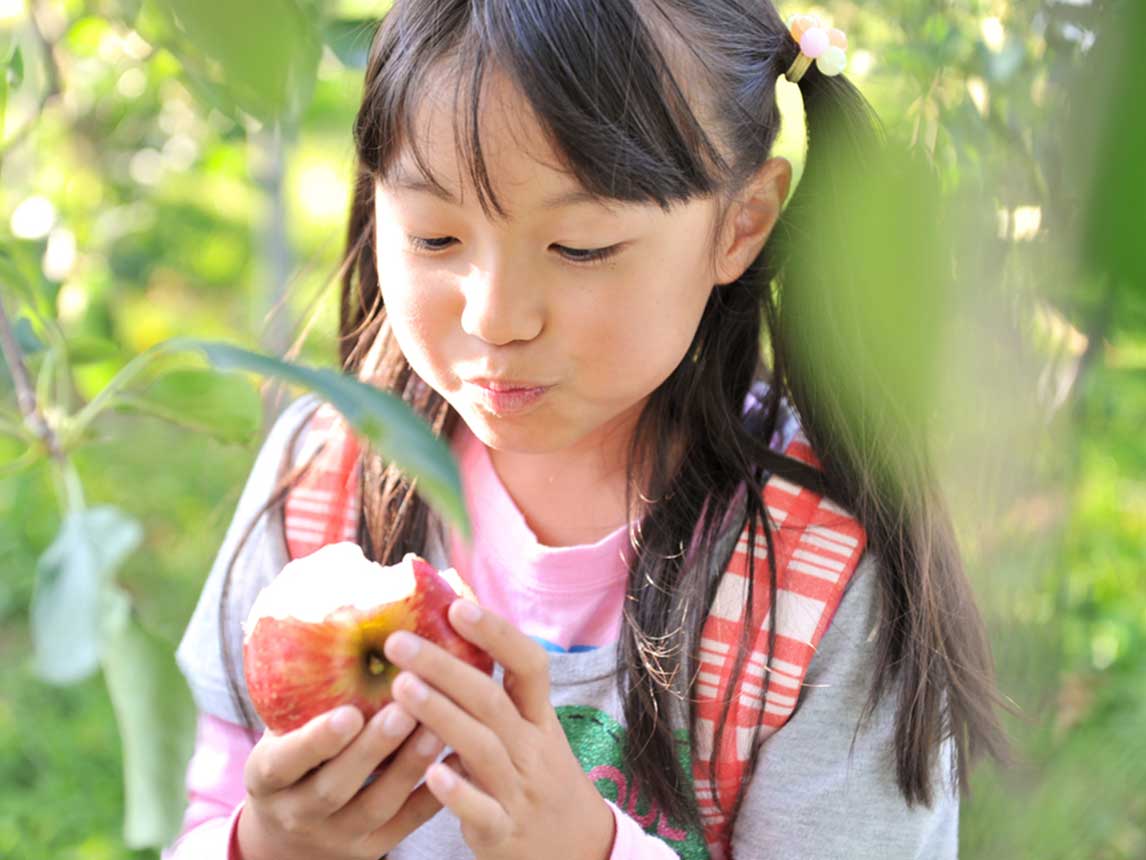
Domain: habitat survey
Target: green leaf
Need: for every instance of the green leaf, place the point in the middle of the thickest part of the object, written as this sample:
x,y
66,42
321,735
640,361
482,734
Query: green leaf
x,y
350,39
1112,124
16,68
857,319
390,425
156,718
26,337
71,593
226,407
3,100
10,58
20,275
10,468
264,52
77,424
129,10
89,349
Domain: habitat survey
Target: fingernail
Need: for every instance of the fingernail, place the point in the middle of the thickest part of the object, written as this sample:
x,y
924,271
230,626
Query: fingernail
x,y
397,722
468,611
414,688
444,777
402,646
428,744
345,720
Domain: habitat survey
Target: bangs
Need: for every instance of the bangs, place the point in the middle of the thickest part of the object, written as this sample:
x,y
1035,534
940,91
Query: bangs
x,y
593,72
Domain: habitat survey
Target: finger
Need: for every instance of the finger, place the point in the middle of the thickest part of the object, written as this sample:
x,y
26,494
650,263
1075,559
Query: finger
x,y
279,761
526,663
482,817
472,689
332,786
484,753
381,800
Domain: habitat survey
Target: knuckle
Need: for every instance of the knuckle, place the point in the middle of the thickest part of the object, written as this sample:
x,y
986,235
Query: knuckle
x,y
381,841
502,711
412,757
428,744
489,709
526,756
491,744
250,777
293,822
326,795
380,737
261,774
539,661
477,834
269,773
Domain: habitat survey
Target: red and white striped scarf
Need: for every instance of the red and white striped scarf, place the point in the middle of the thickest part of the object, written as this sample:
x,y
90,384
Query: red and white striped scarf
x,y
817,545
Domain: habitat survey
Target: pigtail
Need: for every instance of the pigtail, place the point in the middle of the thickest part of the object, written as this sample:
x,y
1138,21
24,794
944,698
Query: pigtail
x,y
864,279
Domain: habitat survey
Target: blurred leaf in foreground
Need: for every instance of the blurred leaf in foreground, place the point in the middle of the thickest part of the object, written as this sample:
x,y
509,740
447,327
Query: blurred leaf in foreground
x,y
70,603
263,54
156,717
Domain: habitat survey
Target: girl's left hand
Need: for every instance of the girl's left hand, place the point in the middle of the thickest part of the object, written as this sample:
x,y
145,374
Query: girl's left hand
x,y
528,792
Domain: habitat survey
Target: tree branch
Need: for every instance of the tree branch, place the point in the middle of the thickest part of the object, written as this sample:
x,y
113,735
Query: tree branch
x,y
25,394
52,89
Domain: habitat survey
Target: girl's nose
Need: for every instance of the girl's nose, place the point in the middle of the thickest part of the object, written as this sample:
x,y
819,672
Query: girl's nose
x,y
502,304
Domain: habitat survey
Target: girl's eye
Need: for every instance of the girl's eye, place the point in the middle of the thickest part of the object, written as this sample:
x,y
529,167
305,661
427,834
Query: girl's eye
x,y
430,244
582,256
588,255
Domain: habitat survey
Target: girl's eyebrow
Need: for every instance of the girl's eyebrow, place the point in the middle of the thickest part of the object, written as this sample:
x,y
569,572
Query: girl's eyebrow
x,y
402,181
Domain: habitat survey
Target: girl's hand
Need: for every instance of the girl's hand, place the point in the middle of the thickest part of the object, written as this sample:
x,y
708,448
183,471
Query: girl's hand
x,y
528,791
305,794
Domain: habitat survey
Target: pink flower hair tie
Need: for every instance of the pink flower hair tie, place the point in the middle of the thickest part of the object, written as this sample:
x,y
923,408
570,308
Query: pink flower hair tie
x,y
826,46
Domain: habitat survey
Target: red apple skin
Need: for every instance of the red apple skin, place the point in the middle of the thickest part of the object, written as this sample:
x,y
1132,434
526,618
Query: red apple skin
x,y
296,670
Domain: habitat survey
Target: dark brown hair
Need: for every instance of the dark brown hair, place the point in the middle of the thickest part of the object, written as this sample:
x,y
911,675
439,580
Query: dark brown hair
x,y
607,80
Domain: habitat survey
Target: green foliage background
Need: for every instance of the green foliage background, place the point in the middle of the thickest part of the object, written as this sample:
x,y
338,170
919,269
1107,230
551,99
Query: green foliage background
x,y
181,167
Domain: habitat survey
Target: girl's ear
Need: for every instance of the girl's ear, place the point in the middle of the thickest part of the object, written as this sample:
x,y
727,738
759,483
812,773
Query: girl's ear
x,y
751,218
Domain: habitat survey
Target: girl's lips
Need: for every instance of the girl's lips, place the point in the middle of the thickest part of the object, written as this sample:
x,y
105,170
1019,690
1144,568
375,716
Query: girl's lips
x,y
508,402
506,384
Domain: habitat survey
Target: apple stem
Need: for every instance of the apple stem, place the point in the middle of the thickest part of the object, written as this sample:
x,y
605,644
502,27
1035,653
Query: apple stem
x,y
375,665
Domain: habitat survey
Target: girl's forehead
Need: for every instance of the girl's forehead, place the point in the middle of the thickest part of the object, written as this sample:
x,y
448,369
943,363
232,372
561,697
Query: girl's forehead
x,y
515,151
496,152
507,133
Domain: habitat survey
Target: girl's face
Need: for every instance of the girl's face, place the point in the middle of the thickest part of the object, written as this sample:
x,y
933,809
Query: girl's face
x,y
521,299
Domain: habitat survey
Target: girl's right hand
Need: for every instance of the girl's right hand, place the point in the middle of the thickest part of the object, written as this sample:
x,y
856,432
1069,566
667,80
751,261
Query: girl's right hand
x,y
305,794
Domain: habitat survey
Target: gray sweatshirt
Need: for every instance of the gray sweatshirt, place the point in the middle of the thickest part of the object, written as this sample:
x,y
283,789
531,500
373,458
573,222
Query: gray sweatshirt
x,y
813,796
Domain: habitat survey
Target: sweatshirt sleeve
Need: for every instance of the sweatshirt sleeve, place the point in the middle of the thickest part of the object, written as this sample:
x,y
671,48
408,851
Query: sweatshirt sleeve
x,y
816,797
200,654
630,842
216,790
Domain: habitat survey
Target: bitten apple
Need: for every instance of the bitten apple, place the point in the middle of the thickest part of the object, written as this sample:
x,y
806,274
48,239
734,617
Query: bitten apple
x,y
313,638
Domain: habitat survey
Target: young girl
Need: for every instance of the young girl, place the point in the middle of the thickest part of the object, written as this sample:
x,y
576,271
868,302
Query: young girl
x,y
722,628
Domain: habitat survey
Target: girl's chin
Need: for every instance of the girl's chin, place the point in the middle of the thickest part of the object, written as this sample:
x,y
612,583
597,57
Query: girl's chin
x,y
526,435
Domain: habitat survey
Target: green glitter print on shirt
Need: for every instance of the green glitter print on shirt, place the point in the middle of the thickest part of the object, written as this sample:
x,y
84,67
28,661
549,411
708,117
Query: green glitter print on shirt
x,y
598,742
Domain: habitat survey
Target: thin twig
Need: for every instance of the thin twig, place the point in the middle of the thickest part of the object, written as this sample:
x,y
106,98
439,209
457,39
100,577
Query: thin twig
x,y
25,394
52,87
